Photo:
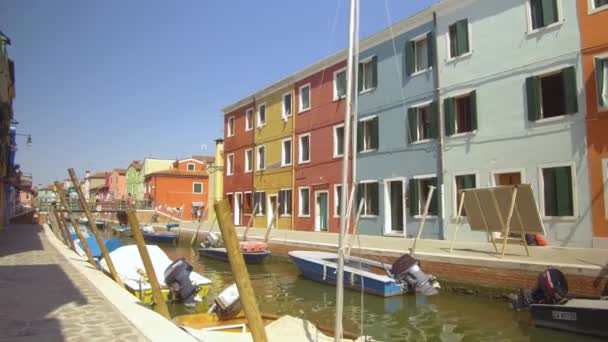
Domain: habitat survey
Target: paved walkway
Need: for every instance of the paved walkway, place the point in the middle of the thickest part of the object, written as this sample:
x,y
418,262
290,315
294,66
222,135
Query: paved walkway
x,y
44,298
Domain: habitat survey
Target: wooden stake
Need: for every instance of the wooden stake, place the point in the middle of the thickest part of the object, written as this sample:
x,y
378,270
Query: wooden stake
x,y
250,223
272,221
93,228
51,219
460,207
423,220
239,271
195,236
83,241
159,303
65,236
355,228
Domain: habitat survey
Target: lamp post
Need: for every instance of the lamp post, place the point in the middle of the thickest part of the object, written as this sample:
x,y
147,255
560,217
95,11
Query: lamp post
x,y
28,142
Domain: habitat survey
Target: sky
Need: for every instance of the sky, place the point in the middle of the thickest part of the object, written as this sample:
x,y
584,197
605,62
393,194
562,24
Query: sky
x,y
102,83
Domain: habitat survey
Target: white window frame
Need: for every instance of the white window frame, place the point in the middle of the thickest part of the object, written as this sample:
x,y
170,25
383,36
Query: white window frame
x,y
249,119
335,84
364,213
278,197
257,213
202,188
252,204
187,168
415,40
300,108
455,190
257,159
249,161
229,164
603,56
230,127
283,152
335,147
365,148
300,201
421,209
336,213
448,42
387,206
285,115
427,103
364,62
259,121
605,183
495,173
540,30
541,191
300,161
591,9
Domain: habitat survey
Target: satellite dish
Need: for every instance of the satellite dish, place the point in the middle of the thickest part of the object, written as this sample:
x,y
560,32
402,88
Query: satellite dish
x,y
203,147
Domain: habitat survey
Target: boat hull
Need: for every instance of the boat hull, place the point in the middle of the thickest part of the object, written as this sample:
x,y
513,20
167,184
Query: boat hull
x,y
221,254
160,237
586,317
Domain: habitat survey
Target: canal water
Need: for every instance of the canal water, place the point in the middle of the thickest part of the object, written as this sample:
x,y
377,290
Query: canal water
x,y
280,289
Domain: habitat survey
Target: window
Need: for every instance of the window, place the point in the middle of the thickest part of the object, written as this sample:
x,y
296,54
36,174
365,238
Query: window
x,y
552,95
261,158
338,141
599,4
368,74
249,119
260,202
286,112
558,191
459,38
248,204
304,103
338,200
601,80
248,160
197,188
462,182
543,13
189,167
230,126
262,115
367,134
418,193
460,114
304,202
419,54
340,84
368,193
422,122
286,153
304,148
230,164
285,202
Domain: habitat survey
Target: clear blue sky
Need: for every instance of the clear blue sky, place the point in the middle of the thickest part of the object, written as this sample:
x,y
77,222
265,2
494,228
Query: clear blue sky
x,y
101,83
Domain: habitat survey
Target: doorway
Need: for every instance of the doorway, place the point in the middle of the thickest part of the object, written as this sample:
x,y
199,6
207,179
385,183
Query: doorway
x,y
321,211
272,207
237,208
395,213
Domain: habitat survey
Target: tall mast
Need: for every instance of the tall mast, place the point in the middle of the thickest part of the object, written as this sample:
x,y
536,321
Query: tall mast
x,y
351,75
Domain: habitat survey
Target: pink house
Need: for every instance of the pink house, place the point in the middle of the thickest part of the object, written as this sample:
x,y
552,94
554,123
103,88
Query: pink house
x,y
118,184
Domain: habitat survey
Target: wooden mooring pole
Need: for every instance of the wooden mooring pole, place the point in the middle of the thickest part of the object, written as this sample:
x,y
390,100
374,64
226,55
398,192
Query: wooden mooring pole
x,y
159,303
64,231
93,228
239,271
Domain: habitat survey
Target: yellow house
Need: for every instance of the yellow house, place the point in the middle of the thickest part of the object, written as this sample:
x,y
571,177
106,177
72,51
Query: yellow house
x,y
273,155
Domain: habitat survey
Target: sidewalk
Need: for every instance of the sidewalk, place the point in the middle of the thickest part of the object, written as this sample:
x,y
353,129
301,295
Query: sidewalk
x,y
44,298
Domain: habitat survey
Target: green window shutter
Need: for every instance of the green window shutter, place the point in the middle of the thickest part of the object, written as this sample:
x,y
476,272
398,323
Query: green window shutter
x,y
462,36
359,136
373,193
563,189
599,80
533,97
375,133
450,115
570,92
281,197
549,11
434,121
412,124
430,43
360,78
410,60
374,66
413,197
469,182
473,106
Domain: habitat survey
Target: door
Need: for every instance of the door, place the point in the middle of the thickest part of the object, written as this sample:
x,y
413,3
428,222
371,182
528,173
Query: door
x,y
511,178
321,211
237,208
272,207
396,207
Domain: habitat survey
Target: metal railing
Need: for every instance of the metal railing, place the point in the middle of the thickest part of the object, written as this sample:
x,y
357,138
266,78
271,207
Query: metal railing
x,y
120,205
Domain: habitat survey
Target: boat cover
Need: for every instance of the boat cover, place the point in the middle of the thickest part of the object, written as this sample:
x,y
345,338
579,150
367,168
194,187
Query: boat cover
x,y
253,246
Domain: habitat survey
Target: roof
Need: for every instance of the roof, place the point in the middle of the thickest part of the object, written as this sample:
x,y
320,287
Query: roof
x,y
101,174
205,159
180,173
121,171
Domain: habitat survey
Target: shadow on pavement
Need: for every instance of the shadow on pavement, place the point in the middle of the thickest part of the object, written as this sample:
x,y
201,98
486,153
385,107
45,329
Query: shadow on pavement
x,y
16,239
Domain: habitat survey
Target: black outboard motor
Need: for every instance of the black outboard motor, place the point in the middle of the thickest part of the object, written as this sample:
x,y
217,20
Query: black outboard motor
x,y
406,271
177,278
551,288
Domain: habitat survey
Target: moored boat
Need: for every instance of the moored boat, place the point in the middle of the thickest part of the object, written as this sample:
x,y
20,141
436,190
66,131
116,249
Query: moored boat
x,y
254,252
151,235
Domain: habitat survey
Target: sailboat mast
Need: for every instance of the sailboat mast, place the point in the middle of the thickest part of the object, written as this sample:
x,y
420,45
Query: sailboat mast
x,y
348,113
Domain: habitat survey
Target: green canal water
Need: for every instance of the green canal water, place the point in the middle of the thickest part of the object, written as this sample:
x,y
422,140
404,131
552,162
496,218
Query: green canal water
x,y
280,289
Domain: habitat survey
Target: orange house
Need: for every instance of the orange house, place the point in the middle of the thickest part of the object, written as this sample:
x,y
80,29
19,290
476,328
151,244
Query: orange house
x,y
593,16
186,184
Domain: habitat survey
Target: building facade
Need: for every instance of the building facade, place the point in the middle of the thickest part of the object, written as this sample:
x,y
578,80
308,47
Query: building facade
x,y
149,166
7,95
133,179
118,184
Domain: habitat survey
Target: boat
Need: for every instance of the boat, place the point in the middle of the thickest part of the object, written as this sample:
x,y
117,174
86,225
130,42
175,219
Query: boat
x,y
374,277
111,245
151,235
122,230
253,252
129,266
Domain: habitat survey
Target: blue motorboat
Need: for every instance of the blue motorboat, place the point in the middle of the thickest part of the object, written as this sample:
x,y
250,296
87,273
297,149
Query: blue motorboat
x,y
374,277
221,254
111,245
159,237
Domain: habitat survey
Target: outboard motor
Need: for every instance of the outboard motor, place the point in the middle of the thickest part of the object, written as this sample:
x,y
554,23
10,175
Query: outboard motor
x,y
551,288
406,271
228,303
211,240
177,278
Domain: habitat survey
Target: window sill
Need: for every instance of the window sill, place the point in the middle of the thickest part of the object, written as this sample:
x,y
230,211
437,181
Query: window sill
x,y
336,156
421,72
338,98
285,165
544,29
230,136
560,218
264,169
284,215
423,141
592,10
367,151
261,126
248,129
285,117
465,55
462,135
367,91
304,216
552,119
304,162
250,171
393,235
229,174
304,110
369,216
428,217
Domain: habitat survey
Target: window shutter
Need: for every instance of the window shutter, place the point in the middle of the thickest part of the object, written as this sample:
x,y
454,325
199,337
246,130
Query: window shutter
x,y
533,97
412,124
462,33
599,80
469,182
359,136
549,10
374,66
373,193
448,108
434,207
473,106
410,60
430,41
281,198
359,195
434,120
413,197
288,194
360,78
570,92
563,189
375,133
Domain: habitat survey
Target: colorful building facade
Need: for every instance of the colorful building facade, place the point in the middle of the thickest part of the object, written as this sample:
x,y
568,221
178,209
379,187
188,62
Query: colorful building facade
x,y
149,166
7,94
118,184
133,179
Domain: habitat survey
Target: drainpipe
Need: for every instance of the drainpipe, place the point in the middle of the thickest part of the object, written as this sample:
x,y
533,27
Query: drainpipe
x,y
441,129
293,162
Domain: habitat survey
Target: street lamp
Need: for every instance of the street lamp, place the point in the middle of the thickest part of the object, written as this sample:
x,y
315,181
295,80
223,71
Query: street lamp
x,y
28,142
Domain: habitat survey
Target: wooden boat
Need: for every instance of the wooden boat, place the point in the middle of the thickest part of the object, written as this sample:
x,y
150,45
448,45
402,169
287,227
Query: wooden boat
x,y
375,277
130,267
253,252
582,316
